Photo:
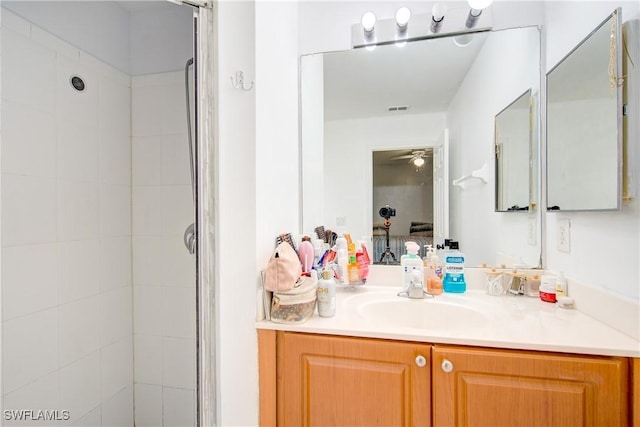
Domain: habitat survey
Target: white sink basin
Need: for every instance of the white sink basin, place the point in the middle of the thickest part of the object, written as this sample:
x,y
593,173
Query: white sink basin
x,y
422,314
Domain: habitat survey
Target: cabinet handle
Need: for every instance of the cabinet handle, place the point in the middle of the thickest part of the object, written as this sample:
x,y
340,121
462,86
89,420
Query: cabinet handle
x,y
447,366
421,361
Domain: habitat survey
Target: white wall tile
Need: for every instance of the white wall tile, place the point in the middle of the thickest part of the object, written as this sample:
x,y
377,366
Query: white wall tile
x,y
28,141
33,340
178,363
116,365
178,265
28,210
26,289
179,407
147,260
116,313
115,262
147,210
40,394
114,107
178,312
118,411
79,329
148,359
28,72
91,419
148,405
78,211
114,158
79,262
177,209
146,110
77,121
147,308
176,169
174,109
115,210
147,160
80,386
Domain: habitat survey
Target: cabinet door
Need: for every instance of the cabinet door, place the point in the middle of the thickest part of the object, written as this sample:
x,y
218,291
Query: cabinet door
x,y
340,381
476,387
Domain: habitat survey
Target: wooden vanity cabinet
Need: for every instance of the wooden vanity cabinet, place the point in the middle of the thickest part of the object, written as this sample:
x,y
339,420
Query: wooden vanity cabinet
x,y
341,381
487,387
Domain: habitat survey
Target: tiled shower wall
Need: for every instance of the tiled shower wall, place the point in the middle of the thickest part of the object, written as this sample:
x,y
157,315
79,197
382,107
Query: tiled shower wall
x,y
81,174
163,270
66,231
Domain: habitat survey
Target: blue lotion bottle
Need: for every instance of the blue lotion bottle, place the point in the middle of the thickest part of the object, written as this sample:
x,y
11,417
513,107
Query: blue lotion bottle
x,y
454,270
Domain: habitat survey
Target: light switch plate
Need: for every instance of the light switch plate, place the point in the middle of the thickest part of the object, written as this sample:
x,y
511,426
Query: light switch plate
x,y
564,235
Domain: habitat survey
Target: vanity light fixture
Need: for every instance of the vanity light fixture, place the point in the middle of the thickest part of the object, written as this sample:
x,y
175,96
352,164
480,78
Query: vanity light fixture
x,y
418,161
437,16
476,10
402,19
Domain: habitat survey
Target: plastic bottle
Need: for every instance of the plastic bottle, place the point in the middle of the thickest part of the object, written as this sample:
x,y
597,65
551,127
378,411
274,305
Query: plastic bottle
x,y
363,260
353,271
561,286
434,278
326,295
409,262
343,265
306,254
454,270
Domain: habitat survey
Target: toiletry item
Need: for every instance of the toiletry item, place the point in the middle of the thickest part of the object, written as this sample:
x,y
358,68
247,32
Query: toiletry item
x,y
494,282
454,270
409,262
561,286
362,258
341,243
565,302
434,279
547,290
343,265
532,286
516,283
305,253
326,295
353,271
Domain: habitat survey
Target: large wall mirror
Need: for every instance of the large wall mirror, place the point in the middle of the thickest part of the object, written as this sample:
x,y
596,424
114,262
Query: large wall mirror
x,y
421,113
584,124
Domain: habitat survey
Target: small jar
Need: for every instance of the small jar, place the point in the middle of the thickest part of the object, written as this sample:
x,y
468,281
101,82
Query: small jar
x,y
532,286
494,282
547,292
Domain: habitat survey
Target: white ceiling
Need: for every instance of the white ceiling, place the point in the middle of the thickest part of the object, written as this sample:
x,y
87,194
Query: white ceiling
x,y
423,75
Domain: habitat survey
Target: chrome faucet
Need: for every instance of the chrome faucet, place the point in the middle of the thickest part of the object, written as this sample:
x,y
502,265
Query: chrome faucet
x,y
416,288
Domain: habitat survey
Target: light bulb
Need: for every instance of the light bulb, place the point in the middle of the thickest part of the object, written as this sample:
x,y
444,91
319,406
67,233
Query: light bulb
x,y
368,21
418,162
479,4
402,17
438,11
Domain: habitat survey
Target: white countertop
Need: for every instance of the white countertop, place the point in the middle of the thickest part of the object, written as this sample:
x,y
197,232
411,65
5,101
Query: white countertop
x,y
513,322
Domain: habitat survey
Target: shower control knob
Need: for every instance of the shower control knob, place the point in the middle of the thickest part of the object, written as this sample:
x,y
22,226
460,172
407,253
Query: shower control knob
x,y
421,361
447,366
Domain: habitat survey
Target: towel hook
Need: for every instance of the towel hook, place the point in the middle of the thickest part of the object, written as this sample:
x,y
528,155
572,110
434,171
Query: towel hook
x,y
238,81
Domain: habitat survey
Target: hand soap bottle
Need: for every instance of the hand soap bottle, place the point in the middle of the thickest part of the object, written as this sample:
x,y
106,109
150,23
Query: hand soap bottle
x,y
454,270
409,262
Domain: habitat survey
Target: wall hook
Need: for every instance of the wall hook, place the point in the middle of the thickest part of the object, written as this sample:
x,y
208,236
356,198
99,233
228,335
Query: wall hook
x,y
238,81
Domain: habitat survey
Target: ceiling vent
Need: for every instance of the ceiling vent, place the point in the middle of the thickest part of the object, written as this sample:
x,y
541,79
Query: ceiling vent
x,y
398,108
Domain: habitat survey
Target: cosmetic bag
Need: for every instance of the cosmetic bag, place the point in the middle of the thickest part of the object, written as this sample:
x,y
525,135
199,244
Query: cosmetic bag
x,y
297,304
283,269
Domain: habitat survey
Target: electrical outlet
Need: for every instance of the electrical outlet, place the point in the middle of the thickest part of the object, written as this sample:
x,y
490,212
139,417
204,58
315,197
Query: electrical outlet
x,y
532,235
564,235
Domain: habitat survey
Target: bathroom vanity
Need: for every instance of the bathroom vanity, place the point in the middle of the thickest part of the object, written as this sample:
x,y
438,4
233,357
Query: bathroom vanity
x,y
474,360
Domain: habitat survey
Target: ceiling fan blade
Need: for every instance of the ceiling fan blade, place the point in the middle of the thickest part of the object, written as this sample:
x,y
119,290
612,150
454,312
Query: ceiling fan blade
x,y
408,156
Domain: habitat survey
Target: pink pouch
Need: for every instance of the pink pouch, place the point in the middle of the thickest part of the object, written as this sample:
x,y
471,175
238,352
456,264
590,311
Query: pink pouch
x,y
283,269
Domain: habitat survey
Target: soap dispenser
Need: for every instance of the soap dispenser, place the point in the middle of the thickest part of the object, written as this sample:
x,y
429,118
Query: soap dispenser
x,y
409,262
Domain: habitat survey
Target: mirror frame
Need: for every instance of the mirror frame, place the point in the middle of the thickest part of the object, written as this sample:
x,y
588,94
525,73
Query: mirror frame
x,y
532,158
616,15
